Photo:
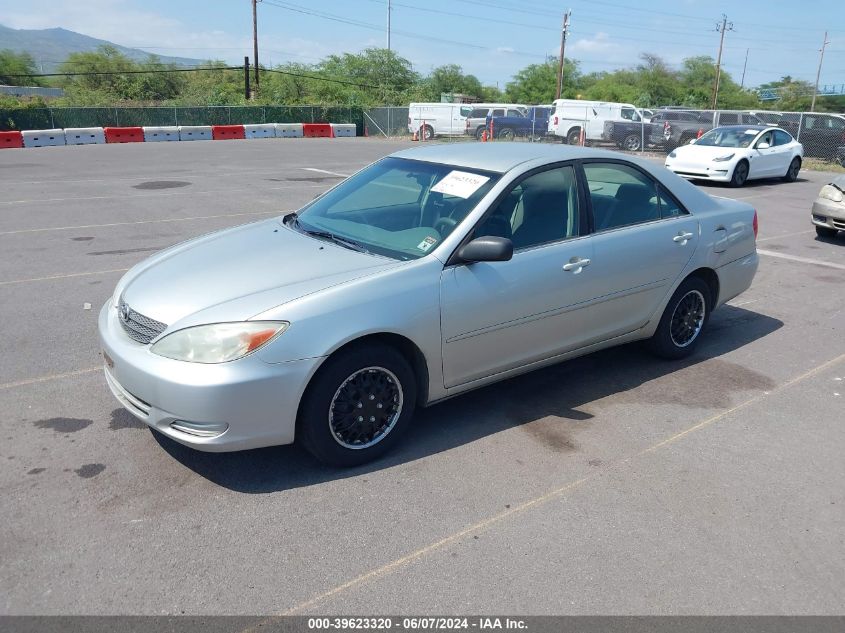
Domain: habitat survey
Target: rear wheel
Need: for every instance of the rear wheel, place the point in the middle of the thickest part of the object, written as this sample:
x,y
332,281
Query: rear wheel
x,y
740,174
792,172
479,132
574,136
506,134
358,405
632,143
683,320
826,231
426,132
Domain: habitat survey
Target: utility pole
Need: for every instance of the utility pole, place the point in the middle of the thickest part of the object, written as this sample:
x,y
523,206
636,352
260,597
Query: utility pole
x,y
255,39
563,34
818,73
742,83
724,26
246,78
389,9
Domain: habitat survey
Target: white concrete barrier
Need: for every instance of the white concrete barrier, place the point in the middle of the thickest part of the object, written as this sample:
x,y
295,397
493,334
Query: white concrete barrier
x,y
195,133
288,130
260,130
161,133
343,129
43,138
84,135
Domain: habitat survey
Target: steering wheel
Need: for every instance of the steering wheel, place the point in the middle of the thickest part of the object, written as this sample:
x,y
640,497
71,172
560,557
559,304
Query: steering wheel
x,y
445,225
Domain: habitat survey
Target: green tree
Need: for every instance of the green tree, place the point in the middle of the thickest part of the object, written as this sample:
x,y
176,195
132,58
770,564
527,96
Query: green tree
x,y
537,83
12,63
697,78
451,79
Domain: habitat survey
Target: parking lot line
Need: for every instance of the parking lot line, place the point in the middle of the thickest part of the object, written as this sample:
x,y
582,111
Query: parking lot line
x,y
100,226
547,497
803,260
32,381
325,171
777,237
93,272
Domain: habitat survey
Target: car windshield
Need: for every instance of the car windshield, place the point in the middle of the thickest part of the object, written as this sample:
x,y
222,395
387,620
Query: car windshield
x,y
396,207
728,137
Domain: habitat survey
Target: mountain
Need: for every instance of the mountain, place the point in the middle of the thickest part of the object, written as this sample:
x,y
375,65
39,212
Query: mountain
x,y
50,47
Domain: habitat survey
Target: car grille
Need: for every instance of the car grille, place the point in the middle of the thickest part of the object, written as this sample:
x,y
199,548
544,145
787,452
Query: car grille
x,y
139,327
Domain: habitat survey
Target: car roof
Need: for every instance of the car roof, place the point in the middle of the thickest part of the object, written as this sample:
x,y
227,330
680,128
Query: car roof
x,y
750,126
501,157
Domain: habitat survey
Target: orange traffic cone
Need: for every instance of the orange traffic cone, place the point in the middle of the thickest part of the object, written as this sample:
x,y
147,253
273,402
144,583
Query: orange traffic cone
x,y
484,136
416,137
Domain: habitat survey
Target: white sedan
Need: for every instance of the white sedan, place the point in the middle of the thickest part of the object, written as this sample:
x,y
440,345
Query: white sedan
x,y
737,153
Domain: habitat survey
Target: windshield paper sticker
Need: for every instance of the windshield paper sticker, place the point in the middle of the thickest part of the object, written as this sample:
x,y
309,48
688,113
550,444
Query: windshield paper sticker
x,y
427,243
460,183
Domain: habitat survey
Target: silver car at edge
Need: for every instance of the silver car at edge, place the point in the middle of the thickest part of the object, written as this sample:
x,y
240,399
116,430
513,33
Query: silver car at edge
x,y
431,272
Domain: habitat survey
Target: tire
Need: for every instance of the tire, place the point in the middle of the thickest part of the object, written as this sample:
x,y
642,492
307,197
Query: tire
x,y
506,134
383,379
684,319
574,136
826,232
426,132
792,172
740,175
479,131
632,143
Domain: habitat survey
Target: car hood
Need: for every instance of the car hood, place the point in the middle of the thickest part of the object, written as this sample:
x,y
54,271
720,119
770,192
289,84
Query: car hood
x,y
706,153
237,273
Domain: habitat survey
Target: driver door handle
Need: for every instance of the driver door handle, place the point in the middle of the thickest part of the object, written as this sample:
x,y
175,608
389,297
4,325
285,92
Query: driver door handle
x,y
576,264
682,237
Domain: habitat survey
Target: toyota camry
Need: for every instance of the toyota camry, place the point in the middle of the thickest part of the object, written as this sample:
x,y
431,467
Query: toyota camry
x,y
429,273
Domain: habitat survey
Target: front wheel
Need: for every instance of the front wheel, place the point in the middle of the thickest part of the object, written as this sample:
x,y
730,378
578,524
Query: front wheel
x,y
792,172
683,320
358,405
479,132
740,174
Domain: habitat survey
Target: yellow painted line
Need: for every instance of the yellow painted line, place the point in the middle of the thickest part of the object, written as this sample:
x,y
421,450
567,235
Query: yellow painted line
x,y
32,381
95,272
549,496
110,224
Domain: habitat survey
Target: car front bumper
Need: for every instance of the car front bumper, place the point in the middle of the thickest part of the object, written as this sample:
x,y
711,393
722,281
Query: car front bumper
x,y
718,172
829,214
241,404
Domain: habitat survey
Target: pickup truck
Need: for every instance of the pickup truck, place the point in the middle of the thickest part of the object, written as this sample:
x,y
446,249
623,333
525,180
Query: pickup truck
x,y
631,135
673,128
534,124
821,134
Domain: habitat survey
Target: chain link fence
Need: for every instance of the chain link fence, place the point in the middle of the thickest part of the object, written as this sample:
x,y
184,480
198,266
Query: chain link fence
x,y
627,129
49,118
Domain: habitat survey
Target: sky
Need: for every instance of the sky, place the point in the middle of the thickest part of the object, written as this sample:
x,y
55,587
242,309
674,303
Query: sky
x,y
491,39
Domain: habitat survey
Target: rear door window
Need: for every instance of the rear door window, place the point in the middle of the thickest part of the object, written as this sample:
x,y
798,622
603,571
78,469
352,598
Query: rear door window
x,y
782,138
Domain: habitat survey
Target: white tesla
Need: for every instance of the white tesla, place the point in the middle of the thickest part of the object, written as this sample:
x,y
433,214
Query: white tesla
x,y
737,153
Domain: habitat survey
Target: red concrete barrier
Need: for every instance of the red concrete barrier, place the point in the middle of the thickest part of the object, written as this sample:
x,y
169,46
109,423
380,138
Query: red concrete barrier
x,y
314,130
124,134
11,139
224,132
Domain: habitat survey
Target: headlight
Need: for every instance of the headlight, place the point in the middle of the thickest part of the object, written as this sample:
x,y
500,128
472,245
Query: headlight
x,y
672,154
218,342
830,192
722,159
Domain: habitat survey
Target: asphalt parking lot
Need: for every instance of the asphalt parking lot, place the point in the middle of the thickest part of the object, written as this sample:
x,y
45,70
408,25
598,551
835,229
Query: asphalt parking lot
x,y
612,484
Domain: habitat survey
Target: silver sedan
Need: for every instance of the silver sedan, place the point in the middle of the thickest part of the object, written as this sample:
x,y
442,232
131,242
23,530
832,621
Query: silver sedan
x,y
429,273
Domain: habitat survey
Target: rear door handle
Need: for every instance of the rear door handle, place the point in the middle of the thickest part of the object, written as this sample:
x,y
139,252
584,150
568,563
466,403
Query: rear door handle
x,y
576,264
682,237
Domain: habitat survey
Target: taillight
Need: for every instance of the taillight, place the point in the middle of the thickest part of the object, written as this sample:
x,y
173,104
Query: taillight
x,y
754,224
555,120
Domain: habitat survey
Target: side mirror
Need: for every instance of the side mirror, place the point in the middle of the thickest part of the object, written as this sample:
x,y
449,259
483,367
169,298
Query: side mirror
x,y
487,249
692,141
763,146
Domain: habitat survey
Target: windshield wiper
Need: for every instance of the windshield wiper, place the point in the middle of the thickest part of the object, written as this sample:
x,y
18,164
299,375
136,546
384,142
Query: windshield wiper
x,y
293,218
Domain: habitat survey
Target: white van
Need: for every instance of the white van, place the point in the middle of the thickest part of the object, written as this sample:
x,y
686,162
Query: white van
x,y
438,119
571,116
